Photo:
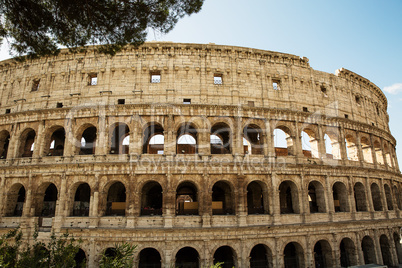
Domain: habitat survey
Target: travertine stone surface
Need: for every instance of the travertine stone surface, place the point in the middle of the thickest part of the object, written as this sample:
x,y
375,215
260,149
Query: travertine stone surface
x,y
331,207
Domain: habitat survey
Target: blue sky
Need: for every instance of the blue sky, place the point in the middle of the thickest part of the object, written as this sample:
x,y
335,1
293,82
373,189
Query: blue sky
x,y
364,36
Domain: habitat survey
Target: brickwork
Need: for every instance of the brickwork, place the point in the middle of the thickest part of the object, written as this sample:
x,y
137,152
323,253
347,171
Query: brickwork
x,y
176,148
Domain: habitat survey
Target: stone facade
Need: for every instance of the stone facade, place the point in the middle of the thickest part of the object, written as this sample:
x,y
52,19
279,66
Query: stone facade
x,y
200,153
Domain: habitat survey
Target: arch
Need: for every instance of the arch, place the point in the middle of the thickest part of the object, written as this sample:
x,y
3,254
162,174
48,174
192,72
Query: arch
x,y
187,142
366,149
288,197
347,252
376,197
397,197
283,141
187,257
186,199
80,259
227,255
15,200
378,152
388,197
55,145
116,200
154,139
220,139
149,258
27,142
386,251
309,143
398,246
81,200
4,143
360,197
352,151
257,198
49,201
151,199
293,255
316,197
261,256
88,140
254,135
222,199
120,133
323,254
368,250
332,146
340,197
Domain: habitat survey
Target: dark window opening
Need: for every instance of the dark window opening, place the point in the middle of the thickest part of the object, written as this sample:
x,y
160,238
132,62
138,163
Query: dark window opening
x,y
121,101
346,116
27,147
80,259
120,139
187,258
357,99
220,139
49,201
59,105
360,197
222,200
4,143
88,141
8,111
261,256
225,255
81,200
149,258
368,249
256,199
151,199
116,200
35,85
324,90
288,198
56,146
186,101
186,199
340,197
305,109
15,199
293,256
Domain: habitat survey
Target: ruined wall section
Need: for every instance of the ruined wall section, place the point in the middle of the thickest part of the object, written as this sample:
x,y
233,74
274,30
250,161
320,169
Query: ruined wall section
x,y
187,72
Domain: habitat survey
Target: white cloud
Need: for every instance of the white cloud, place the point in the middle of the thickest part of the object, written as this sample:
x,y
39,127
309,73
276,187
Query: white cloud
x,y
394,89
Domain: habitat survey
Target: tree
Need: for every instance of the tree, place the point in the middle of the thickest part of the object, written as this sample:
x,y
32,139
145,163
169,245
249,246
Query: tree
x,y
121,256
59,252
39,27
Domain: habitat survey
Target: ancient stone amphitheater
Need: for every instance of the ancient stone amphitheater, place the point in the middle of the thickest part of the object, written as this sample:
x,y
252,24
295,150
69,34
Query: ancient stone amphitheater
x,y
200,154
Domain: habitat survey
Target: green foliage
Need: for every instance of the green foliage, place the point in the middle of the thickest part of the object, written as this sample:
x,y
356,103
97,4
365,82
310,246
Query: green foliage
x,y
122,256
59,252
38,27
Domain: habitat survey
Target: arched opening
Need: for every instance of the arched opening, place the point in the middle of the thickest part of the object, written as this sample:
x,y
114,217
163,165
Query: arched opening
x,y
378,153
253,135
225,255
187,257
110,252
289,199
398,247
15,201
81,200
150,258
309,143
261,257
323,254
366,150
27,143
293,255
154,139
56,145
4,143
397,197
186,199
283,141
360,197
80,259
316,197
220,139
351,148
187,139
386,251
376,196
120,133
49,201
348,253
257,198
340,197
116,200
388,197
88,140
332,146
222,200
368,250
151,199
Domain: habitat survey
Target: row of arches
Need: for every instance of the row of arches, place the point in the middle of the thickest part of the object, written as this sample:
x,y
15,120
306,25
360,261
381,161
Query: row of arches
x,y
223,200
189,139
293,255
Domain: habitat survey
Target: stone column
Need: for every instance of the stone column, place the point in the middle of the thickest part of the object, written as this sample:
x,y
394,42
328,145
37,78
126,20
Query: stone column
x,y
373,154
384,156
136,138
276,212
342,145
321,142
38,142
102,142
330,198
297,145
359,148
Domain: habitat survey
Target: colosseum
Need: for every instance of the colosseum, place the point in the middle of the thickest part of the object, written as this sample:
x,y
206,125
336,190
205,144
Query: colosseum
x,y
200,153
